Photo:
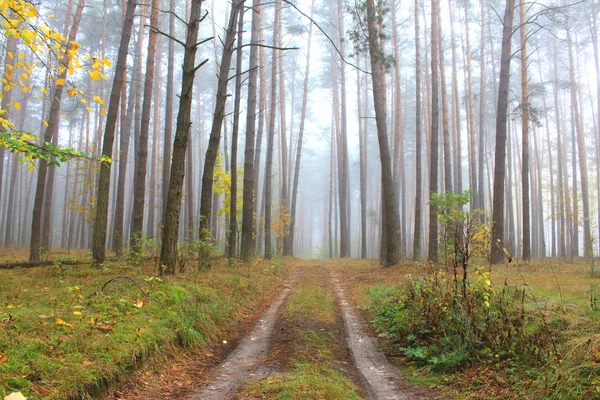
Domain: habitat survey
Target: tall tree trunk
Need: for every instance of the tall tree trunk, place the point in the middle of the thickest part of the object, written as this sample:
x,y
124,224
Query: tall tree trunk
x,y
271,133
362,143
581,149
432,255
217,125
445,117
482,118
471,122
525,136
99,238
234,142
455,111
390,224
418,140
51,132
250,183
172,209
288,243
497,245
168,140
139,181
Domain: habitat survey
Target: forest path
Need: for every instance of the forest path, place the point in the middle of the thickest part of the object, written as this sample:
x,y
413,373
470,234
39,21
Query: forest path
x,y
309,342
283,330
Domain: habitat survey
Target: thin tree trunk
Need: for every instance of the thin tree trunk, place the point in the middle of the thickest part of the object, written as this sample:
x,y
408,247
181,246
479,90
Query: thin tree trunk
x,y
288,244
497,244
139,181
433,168
250,182
471,111
525,137
168,140
206,206
51,132
172,209
418,141
232,251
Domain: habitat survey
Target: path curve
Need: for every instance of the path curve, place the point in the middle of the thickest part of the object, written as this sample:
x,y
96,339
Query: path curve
x,y
381,377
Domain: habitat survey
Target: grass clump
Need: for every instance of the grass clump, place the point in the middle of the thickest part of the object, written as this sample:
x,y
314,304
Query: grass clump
x,y
307,381
69,333
311,300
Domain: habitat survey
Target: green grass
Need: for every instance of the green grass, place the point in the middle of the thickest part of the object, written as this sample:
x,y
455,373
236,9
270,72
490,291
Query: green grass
x,y
64,338
307,381
311,300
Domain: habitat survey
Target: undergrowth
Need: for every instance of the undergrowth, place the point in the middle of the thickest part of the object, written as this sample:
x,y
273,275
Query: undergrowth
x,y
494,341
68,333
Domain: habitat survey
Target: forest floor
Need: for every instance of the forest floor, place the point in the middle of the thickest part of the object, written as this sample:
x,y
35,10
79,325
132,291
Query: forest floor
x,y
286,328
309,343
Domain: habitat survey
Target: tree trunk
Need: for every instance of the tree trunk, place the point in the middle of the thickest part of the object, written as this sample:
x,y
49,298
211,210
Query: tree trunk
x,y
168,140
390,224
139,181
581,149
432,255
525,137
234,142
471,122
418,140
51,132
497,245
271,133
217,125
172,209
288,243
250,183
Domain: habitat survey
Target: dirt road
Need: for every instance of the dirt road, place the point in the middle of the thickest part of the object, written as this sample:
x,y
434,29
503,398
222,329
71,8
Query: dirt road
x,y
310,343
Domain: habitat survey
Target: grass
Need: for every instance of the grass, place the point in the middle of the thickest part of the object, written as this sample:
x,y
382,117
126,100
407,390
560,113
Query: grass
x,y
560,298
311,300
64,338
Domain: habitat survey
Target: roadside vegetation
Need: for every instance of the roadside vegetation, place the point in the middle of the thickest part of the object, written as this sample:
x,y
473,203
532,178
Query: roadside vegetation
x,y
69,331
521,330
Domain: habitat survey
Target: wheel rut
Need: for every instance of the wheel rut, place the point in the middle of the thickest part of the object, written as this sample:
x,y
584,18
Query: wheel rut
x,y
253,359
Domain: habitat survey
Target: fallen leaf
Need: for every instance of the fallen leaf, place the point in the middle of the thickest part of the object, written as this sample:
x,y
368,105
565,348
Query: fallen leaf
x,y
87,363
3,358
76,312
104,327
139,303
15,396
42,391
42,316
61,322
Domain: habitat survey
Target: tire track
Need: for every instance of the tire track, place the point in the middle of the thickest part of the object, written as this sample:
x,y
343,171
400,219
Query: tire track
x,y
243,363
382,380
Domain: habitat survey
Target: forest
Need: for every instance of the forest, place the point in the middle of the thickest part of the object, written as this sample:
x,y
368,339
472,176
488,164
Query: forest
x,y
157,151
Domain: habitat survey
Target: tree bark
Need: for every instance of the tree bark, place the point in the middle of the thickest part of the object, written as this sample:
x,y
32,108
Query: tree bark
x,y
390,224
217,124
497,245
526,255
418,140
172,209
432,255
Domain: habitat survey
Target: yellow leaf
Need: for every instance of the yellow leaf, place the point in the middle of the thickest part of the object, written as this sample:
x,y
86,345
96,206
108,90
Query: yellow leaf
x,y
45,122
11,55
98,100
104,111
95,75
17,105
89,109
44,91
60,82
83,101
15,396
76,312
139,303
72,92
61,322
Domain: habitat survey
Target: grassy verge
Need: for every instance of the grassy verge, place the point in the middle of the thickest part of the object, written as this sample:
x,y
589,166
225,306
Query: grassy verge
x,y
523,331
313,374
67,332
